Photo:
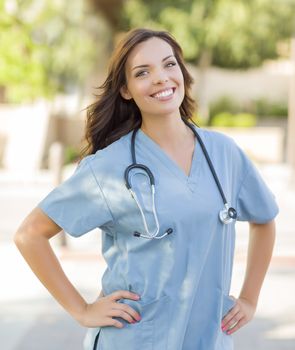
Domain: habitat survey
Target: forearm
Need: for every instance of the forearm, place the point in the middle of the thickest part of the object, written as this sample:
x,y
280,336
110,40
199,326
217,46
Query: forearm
x,y
39,255
261,242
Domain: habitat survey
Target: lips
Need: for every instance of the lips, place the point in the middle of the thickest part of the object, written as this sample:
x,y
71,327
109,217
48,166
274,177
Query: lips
x,y
163,94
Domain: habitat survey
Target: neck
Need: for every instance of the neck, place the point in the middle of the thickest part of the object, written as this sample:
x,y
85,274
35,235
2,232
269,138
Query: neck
x,y
168,131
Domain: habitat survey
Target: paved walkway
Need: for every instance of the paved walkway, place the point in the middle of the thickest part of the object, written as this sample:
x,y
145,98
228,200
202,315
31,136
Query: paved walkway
x,y
30,319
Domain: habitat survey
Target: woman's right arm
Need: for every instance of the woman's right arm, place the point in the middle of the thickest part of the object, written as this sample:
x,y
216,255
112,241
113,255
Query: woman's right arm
x,y
32,240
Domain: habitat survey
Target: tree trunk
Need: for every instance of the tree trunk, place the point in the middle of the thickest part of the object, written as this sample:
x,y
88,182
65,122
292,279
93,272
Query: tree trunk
x,y
203,102
110,9
2,94
291,116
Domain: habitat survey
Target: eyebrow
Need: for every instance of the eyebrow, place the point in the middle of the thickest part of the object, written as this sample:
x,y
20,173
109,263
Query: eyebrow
x,y
146,65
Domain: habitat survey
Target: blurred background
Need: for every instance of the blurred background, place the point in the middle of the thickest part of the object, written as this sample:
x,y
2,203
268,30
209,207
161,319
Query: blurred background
x,y
53,56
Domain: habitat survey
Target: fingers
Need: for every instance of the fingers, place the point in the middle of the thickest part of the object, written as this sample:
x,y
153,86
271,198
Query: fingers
x,y
240,324
122,314
232,319
126,312
121,310
238,316
229,318
123,294
115,323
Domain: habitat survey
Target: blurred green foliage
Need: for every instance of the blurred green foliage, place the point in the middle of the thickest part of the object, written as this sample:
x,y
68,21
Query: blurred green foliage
x,y
71,155
265,108
50,46
198,120
262,108
224,104
228,119
236,33
47,46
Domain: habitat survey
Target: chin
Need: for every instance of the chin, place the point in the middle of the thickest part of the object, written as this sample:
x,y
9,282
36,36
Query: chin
x,y
170,112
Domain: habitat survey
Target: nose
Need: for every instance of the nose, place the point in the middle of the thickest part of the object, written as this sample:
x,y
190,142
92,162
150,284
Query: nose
x,y
160,81
159,78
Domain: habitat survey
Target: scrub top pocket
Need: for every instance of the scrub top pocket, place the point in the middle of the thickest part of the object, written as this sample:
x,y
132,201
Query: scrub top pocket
x,y
150,332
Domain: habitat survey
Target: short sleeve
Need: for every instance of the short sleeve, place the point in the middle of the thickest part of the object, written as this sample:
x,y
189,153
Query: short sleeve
x,y
78,204
255,202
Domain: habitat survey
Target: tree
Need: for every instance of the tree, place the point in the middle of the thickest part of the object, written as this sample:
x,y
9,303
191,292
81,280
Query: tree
x,y
226,33
47,46
110,10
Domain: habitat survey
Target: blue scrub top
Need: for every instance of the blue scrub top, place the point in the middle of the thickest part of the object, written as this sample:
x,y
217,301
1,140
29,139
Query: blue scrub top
x,y
183,279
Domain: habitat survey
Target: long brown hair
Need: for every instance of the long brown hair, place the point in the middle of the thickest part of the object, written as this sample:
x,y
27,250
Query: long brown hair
x,y
111,116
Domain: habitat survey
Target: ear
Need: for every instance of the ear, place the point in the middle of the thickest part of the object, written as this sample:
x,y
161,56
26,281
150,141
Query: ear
x,y
125,93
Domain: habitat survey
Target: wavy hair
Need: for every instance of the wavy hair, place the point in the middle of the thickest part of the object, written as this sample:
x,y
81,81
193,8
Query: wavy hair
x,y
111,116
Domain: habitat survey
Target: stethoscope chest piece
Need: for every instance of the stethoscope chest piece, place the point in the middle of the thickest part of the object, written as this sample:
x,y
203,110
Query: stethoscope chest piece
x,y
228,214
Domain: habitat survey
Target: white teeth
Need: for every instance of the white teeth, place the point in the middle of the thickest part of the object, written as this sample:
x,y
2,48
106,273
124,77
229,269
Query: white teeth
x,y
164,93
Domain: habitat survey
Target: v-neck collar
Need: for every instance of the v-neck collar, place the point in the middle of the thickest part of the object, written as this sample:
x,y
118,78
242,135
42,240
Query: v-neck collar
x,y
158,152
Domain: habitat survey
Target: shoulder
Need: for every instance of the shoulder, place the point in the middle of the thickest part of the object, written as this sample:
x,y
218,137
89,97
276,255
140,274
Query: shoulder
x,y
224,150
116,149
110,158
216,140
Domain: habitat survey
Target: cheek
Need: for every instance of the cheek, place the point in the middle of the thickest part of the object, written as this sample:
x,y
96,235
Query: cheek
x,y
179,78
182,92
180,82
141,92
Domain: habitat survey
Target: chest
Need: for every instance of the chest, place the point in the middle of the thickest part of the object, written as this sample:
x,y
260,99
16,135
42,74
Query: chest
x,y
177,200
182,157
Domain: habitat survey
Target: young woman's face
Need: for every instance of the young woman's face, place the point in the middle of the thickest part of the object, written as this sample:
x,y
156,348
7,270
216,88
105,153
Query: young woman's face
x,y
154,79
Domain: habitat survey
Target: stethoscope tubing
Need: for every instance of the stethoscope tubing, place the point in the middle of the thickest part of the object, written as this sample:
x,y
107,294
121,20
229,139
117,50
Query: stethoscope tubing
x,y
208,161
226,215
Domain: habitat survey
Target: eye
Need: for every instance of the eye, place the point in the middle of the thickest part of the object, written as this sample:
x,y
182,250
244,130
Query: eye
x,y
171,64
141,73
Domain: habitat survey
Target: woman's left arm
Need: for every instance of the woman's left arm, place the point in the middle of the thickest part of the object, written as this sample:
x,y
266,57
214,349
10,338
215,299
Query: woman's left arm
x,y
261,242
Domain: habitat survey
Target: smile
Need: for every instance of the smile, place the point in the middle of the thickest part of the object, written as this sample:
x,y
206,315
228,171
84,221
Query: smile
x,y
164,94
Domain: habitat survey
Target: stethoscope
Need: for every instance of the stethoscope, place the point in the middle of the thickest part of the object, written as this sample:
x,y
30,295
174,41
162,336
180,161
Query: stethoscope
x,y
226,215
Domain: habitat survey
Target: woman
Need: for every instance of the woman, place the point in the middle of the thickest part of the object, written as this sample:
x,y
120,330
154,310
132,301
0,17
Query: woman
x,y
169,260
